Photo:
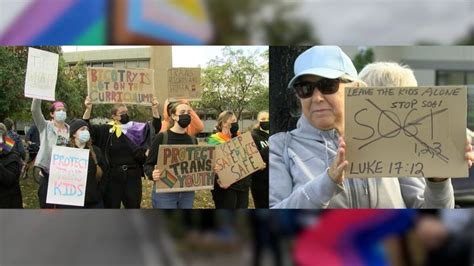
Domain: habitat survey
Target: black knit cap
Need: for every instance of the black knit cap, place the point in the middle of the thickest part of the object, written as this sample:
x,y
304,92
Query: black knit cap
x,y
75,125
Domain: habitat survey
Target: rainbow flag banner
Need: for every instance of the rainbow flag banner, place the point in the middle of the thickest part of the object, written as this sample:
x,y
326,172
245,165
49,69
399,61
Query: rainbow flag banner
x,y
351,237
53,22
173,21
8,144
168,178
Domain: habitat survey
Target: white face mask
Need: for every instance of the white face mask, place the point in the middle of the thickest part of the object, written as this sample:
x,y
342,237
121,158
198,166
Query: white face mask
x,y
60,116
84,136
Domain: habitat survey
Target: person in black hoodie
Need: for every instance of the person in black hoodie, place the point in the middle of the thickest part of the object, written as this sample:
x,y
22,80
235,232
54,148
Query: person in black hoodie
x,y
80,138
10,169
123,144
259,186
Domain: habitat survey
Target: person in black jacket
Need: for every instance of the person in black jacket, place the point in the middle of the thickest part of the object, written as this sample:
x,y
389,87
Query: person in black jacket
x,y
80,138
259,186
123,146
180,119
10,168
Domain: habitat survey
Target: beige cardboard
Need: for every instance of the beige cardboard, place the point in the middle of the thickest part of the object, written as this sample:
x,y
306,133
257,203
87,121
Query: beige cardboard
x,y
117,85
237,158
185,168
403,132
184,83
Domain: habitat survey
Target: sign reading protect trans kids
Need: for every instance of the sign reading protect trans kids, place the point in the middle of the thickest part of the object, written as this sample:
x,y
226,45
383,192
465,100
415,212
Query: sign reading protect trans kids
x,y
115,85
68,176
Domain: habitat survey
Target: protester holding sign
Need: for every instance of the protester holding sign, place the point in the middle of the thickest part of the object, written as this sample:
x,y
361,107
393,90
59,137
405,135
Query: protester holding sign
x,y
80,138
308,163
179,120
123,144
10,168
237,194
52,133
193,129
259,186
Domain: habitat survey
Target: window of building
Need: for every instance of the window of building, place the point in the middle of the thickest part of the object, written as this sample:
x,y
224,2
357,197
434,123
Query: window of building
x,y
143,64
108,64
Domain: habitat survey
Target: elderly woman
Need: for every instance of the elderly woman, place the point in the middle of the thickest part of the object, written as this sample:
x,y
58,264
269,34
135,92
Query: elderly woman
x,y
307,164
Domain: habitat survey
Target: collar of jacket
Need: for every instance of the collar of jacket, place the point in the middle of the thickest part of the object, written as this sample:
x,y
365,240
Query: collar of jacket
x,y
307,131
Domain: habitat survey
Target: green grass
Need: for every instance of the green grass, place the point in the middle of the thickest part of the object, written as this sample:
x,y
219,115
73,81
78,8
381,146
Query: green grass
x,y
203,198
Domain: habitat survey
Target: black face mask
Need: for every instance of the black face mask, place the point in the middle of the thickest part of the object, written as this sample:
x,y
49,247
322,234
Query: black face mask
x,y
265,125
234,127
184,120
124,119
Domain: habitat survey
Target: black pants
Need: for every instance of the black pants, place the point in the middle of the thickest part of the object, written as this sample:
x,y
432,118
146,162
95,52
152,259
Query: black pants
x,y
12,201
43,190
230,198
123,187
259,194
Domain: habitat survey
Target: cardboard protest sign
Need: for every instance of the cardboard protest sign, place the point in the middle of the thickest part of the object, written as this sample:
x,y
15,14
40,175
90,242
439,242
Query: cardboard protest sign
x,y
237,158
184,83
185,168
41,74
116,85
68,176
409,131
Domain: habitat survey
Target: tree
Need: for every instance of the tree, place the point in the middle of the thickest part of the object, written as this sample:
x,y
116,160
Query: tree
x,y
364,57
284,108
263,21
234,82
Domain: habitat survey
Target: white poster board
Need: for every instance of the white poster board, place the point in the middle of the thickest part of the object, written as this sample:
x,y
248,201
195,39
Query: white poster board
x,y
68,176
41,74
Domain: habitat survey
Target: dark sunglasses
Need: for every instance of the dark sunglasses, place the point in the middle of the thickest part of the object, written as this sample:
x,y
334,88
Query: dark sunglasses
x,y
305,89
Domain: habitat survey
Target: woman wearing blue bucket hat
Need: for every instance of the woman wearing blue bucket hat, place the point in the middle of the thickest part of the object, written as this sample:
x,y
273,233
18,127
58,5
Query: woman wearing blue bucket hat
x,y
307,164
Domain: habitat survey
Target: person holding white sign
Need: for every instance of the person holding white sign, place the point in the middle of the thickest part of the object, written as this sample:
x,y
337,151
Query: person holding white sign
x,y
237,195
179,120
308,163
52,132
81,139
123,144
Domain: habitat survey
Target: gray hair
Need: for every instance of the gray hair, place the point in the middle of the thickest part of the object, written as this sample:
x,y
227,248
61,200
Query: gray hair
x,y
388,74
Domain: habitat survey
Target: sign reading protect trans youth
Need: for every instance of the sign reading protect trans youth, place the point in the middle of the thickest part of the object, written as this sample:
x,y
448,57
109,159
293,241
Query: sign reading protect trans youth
x,y
185,167
115,85
406,131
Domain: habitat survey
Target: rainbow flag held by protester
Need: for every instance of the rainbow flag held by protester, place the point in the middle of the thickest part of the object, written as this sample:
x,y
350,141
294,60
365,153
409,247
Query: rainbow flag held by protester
x,y
8,144
53,22
350,237
169,179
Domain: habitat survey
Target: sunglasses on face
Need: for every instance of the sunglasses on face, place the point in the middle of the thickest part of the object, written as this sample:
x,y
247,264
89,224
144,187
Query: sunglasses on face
x,y
305,89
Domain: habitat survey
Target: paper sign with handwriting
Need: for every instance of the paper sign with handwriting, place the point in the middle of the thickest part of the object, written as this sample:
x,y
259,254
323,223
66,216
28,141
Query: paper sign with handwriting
x,y
116,85
406,131
68,176
237,159
184,83
185,168
41,74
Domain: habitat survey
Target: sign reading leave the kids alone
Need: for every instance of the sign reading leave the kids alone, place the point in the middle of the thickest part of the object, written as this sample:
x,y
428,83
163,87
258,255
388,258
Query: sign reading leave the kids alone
x,y
116,85
406,131
68,176
41,74
237,158
185,167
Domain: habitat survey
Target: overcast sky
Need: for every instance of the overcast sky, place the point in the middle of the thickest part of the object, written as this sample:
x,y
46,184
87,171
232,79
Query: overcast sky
x,y
379,22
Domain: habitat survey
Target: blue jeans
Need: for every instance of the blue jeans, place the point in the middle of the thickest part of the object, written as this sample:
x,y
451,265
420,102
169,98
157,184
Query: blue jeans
x,y
172,200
